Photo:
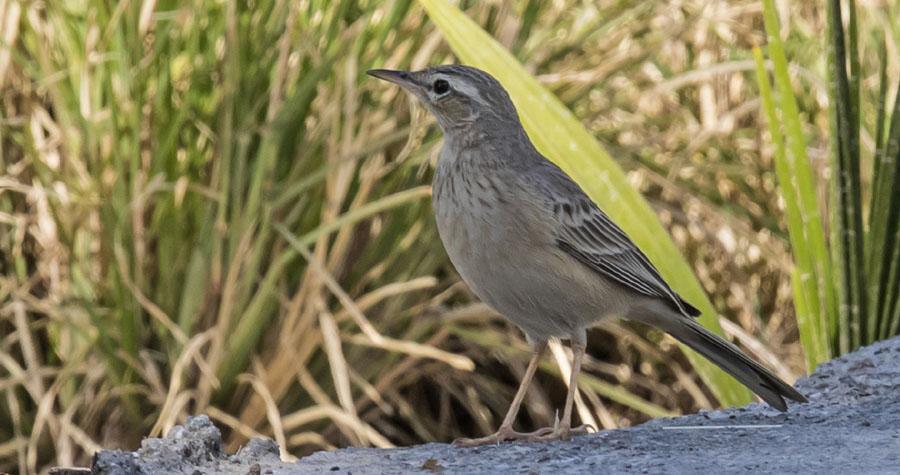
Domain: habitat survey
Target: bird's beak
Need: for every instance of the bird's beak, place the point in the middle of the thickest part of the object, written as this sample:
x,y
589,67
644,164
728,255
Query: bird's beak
x,y
403,79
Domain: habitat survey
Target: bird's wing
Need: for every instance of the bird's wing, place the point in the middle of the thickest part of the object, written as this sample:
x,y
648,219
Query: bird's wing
x,y
586,233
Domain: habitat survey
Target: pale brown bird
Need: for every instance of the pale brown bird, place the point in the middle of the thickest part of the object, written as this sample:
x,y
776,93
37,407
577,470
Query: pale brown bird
x,y
531,244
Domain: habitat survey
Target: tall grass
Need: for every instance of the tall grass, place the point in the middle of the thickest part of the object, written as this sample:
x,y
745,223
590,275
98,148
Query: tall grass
x,y
847,297
161,145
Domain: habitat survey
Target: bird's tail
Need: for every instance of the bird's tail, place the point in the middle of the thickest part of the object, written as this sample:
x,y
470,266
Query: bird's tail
x,y
728,357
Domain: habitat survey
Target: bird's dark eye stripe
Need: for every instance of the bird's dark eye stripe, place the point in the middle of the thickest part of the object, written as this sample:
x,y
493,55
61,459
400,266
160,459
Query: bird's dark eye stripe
x,y
441,86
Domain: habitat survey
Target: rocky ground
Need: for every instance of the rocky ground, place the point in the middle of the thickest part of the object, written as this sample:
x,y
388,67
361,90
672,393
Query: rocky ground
x,y
850,425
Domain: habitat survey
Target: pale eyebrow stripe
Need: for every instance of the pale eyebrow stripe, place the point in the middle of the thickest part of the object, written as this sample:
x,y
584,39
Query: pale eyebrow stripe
x,y
466,88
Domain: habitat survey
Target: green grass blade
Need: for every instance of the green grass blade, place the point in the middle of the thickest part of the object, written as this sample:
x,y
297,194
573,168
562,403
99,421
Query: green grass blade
x,y
889,198
823,302
847,207
559,135
813,334
880,210
892,296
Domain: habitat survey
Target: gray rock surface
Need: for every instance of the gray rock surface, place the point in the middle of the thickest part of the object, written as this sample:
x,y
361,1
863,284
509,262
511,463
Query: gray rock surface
x,y
850,425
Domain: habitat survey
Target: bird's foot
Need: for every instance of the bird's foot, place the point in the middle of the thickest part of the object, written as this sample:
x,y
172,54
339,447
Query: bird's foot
x,y
502,435
564,432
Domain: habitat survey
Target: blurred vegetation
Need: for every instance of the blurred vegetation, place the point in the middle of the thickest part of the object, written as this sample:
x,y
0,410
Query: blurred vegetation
x,y
850,296
206,207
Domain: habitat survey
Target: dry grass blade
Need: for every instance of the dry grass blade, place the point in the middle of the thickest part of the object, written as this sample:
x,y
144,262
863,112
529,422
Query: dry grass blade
x,y
10,11
310,438
167,413
388,291
335,413
372,336
336,361
11,448
564,361
232,422
274,415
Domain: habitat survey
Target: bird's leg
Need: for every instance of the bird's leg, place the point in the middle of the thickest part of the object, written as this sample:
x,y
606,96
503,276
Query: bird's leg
x,y
506,432
563,429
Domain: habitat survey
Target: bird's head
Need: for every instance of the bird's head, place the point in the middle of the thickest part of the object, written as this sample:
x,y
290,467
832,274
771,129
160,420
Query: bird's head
x,y
458,96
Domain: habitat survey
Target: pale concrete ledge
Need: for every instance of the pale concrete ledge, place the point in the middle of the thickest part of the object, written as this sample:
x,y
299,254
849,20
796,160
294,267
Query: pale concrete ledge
x,y
850,425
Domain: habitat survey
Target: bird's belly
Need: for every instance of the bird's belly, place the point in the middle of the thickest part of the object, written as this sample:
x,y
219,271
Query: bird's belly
x,y
523,275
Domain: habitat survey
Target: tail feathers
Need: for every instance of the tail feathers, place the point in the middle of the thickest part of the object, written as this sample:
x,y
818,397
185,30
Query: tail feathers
x,y
728,357
689,309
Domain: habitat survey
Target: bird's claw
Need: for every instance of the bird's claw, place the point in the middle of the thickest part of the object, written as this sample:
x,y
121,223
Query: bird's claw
x,y
504,434
564,432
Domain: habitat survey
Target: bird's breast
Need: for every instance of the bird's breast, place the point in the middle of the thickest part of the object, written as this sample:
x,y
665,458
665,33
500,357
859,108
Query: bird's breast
x,y
488,224
477,207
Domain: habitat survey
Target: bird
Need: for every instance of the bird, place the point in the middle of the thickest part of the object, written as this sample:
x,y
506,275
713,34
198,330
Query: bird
x,y
529,242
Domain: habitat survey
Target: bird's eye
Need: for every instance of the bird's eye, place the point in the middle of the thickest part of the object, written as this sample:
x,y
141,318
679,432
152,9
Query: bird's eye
x,y
441,86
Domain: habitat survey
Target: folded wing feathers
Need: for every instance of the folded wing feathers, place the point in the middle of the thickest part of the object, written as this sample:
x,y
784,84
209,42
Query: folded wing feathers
x,y
586,233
